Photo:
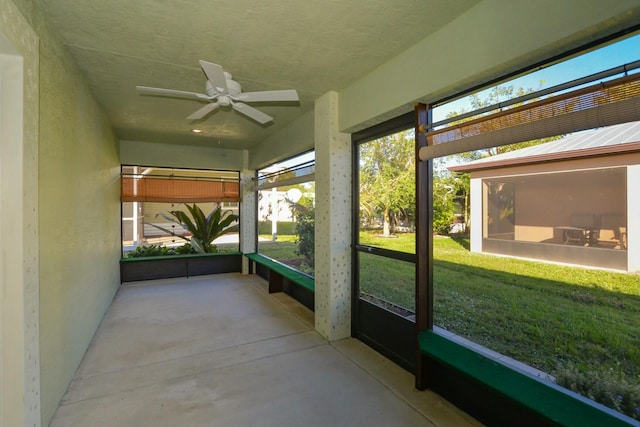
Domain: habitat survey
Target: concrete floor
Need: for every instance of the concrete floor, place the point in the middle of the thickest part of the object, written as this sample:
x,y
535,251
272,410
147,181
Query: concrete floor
x,y
220,351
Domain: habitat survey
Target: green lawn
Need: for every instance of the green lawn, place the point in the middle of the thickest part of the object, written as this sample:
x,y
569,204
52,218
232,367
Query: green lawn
x,y
388,279
284,247
284,250
403,242
281,249
541,314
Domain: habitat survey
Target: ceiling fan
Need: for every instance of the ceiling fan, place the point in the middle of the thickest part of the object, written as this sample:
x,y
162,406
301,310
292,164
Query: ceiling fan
x,y
222,91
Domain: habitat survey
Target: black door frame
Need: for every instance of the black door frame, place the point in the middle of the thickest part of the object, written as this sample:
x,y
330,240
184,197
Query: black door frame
x,y
388,333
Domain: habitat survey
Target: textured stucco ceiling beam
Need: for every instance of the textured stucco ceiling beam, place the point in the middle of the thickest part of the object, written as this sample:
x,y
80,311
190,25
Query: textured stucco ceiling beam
x,y
489,40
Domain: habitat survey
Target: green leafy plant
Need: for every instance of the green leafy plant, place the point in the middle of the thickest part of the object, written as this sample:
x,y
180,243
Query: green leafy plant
x,y
152,250
185,249
204,229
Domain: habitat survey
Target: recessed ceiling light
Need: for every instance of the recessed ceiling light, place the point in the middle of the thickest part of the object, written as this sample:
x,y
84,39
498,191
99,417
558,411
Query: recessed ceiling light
x,y
196,130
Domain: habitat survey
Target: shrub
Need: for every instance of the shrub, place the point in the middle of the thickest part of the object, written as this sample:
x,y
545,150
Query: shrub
x,y
606,386
152,250
186,249
305,231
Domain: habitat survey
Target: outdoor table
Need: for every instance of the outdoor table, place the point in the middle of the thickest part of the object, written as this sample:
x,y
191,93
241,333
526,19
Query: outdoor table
x,y
578,235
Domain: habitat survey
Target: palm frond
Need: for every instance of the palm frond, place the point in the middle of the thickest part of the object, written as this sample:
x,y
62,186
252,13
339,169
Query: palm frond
x,y
204,229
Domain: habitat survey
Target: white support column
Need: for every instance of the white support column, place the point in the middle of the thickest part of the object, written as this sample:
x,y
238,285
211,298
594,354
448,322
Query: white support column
x,y
248,220
633,218
476,215
333,222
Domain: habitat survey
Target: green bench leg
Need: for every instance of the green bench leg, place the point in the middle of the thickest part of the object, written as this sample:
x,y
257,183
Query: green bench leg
x,y
275,282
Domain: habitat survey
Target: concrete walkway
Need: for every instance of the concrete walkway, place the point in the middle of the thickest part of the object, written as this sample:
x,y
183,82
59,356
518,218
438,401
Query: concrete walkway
x,y
220,351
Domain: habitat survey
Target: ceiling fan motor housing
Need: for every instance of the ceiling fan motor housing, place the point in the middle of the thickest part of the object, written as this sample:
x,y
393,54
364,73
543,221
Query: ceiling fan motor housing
x,y
224,101
233,89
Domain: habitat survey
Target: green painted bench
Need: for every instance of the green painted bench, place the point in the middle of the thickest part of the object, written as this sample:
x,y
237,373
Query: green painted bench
x,y
278,271
547,400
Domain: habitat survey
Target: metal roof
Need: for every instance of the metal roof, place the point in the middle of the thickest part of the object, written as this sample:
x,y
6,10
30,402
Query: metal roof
x,y
596,142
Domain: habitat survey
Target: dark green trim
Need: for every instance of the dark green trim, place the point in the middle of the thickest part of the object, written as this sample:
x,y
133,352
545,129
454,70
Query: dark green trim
x,y
551,402
294,276
161,257
170,266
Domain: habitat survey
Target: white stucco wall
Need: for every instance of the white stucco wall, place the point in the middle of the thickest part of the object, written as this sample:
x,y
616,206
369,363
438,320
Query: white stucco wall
x,y
294,139
79,218
77,214
19,311
177,156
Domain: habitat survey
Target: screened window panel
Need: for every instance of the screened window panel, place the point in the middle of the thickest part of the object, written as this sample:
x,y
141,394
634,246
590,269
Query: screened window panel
x,y
297,174
602,104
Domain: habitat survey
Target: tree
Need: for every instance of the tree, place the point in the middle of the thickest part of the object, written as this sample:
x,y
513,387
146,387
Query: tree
x,y
447,186
387,178
451,196
495,96
443,206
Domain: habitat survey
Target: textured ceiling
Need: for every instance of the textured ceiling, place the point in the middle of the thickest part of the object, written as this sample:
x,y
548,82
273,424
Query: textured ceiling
x,y
313,46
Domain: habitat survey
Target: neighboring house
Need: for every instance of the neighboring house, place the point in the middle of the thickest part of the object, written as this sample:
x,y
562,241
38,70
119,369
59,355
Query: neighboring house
x,y
273,206
575,200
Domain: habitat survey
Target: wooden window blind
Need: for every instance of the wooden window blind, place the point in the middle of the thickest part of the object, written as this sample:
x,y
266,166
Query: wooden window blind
x,y
602,104
140,188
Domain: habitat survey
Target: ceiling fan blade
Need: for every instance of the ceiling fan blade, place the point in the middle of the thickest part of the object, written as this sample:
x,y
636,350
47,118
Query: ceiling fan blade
x,y
270,96
203,111
251,112
215,74
156,91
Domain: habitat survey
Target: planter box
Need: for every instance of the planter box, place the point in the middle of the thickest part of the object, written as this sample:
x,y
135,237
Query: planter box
x,y
165,267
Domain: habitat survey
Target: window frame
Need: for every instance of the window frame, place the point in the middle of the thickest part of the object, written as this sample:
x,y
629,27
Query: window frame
x,y
426,376
237,209
285,182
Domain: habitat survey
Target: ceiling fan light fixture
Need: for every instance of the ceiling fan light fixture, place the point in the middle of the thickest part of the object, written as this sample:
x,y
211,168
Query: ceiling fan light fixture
x,y
224,101
222,91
